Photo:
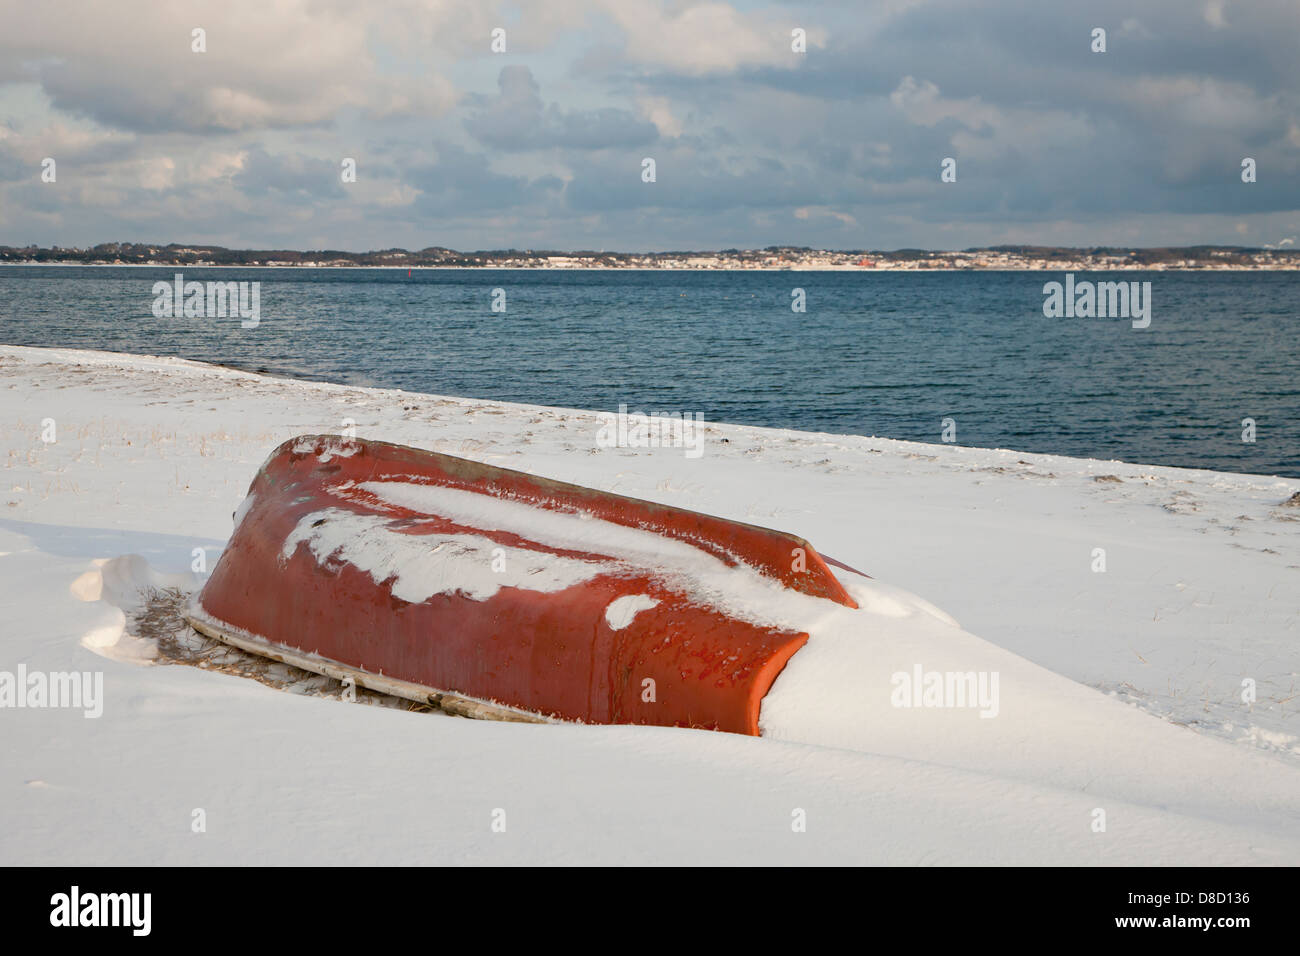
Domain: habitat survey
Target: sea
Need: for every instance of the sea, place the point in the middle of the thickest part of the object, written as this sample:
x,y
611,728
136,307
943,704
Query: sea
x,y
1213,381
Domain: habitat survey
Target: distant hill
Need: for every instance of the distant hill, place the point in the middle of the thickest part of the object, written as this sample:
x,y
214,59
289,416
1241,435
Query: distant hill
x,y
178,254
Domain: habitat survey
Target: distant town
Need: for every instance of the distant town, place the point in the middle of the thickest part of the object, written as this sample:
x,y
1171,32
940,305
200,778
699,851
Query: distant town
x,y
1002,258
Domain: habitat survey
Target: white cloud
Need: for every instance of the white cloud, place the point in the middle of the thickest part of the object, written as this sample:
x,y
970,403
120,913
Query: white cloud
x,y
63,141
805,213
268,63
157,173
1200,101
659,111
704,38
922,104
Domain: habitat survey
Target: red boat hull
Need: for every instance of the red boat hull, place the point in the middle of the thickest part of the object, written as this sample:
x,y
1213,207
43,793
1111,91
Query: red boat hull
x,y
319,565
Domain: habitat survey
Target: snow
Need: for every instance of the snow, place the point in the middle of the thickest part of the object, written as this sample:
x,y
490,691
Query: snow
x,y
419,567
342,448
623,610
1118,691
736,589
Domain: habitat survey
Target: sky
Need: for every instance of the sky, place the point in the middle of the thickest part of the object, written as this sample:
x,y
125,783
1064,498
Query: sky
x,y
542,145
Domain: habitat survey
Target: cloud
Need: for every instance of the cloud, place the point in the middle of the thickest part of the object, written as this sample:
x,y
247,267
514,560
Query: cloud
x,y
701,38
66,142
517,119
922,104
292,176
542,146
659,110
460,182
132,65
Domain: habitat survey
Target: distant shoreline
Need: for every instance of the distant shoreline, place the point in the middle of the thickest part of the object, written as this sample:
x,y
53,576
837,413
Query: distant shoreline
x,y
1044,267
767,259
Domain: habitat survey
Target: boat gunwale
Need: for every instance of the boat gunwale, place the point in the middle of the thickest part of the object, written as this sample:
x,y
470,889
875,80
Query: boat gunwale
x,y
451,702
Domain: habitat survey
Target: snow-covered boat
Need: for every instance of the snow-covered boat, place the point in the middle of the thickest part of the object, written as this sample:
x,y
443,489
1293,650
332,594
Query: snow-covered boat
x,y
492,592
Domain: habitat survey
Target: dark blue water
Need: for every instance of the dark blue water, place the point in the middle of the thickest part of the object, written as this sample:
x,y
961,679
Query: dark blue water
x,y
875,354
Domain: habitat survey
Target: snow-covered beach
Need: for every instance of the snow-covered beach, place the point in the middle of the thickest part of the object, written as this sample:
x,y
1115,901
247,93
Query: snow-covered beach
x,y
1142,621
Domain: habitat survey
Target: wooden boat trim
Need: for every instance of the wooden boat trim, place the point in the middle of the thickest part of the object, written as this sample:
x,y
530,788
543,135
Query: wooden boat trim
x,y
448,701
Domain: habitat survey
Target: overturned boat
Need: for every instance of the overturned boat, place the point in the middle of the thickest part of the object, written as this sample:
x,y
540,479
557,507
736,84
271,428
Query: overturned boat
x,y
495,593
